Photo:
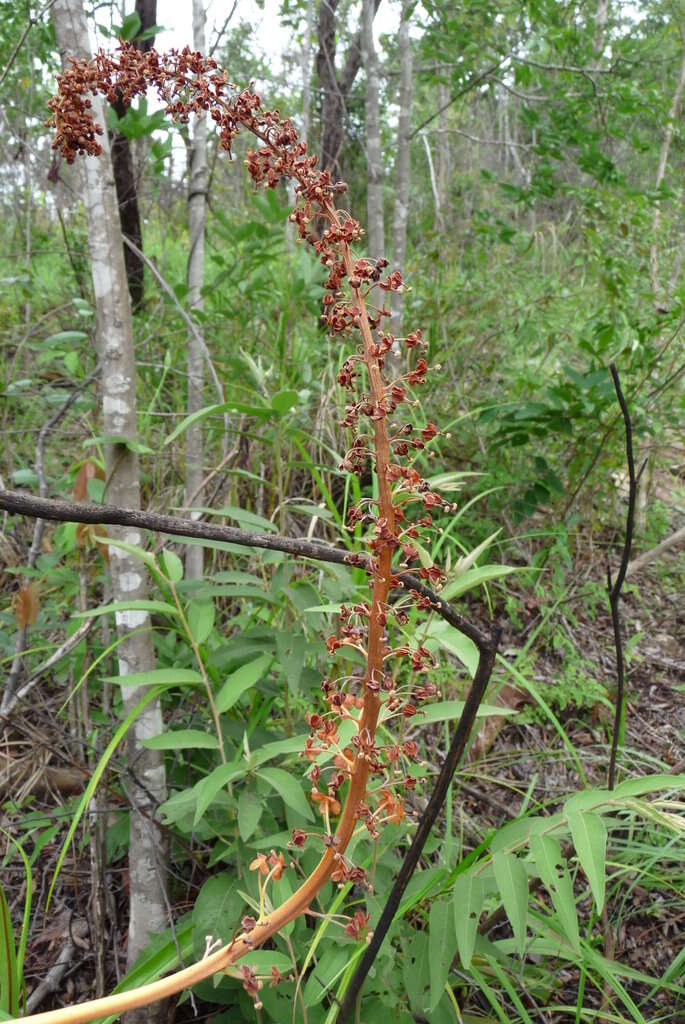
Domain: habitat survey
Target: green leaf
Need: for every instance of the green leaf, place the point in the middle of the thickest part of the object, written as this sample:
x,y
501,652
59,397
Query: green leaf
x,y
474,578
454,642
546,853
446,710
467,561
467,902
181,739
442,945
210,410
9,975
589,835
94,782
248,520
283,401
159,677
64,337
131,26
205,791
128,606
287,787
241,680
159,960
329,968
250,810
216,911
291,745
425,557
512,881
200,617
131,549
173,566
648,784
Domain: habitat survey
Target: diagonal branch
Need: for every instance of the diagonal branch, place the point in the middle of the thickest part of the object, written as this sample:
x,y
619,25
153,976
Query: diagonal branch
x,y
110,515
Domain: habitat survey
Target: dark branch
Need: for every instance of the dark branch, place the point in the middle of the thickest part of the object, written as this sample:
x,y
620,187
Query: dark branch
x,y
474,699
615,589
110,515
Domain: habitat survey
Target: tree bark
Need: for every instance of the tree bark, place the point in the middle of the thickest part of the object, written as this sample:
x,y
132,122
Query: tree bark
x,y
335,87
114,331
374,158
401,208
124,173
197,208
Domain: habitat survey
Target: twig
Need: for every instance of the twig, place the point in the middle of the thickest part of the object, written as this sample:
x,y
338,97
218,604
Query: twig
x,y
642,560
13,56
614,589
187,320
74,512
488,649
460,92
39,526
66,648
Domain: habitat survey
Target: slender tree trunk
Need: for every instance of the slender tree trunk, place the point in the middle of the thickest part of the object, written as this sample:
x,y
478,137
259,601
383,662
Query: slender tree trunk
x,y
147,786
335,88
401,208
443,149
374,157
306,66
663,161
125,176
197,207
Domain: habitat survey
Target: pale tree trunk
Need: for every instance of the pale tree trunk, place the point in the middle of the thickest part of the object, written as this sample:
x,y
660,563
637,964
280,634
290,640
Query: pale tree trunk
x,y
335,88
663,161
401,207
443,150
645,480
197,208
306,66
147,784
374,158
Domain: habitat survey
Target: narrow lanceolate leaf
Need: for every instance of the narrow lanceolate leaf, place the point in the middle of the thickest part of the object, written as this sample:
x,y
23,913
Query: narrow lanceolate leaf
x,y
241,680
467,902
442,945
182,739
159,677
128,606
9,980
289,789
512,882
589,835
206,790
547,855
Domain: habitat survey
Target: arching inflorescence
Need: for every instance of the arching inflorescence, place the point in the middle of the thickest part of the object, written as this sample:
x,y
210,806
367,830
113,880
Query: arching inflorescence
x,y
364,785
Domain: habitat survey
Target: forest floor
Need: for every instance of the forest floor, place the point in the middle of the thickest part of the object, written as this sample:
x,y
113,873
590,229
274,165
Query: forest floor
x,y
41,767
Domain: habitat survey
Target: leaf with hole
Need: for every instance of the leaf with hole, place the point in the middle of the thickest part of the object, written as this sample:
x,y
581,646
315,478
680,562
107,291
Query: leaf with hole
x,y
589,835
547,854
512,881
442,945
467,903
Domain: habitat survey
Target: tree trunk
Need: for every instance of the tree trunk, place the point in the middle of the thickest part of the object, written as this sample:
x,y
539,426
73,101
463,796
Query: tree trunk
x,y
401,208
374,158
197,208
335,88
125,177
114,329
443,149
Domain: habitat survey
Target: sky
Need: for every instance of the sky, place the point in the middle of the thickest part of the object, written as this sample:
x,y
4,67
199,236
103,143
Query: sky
x,y
176,17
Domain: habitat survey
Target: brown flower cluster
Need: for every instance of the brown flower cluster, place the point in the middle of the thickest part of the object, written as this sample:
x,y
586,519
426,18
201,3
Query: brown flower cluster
x,y
390,442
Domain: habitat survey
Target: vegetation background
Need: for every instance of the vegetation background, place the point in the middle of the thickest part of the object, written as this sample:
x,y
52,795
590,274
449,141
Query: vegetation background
x,y
522,162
